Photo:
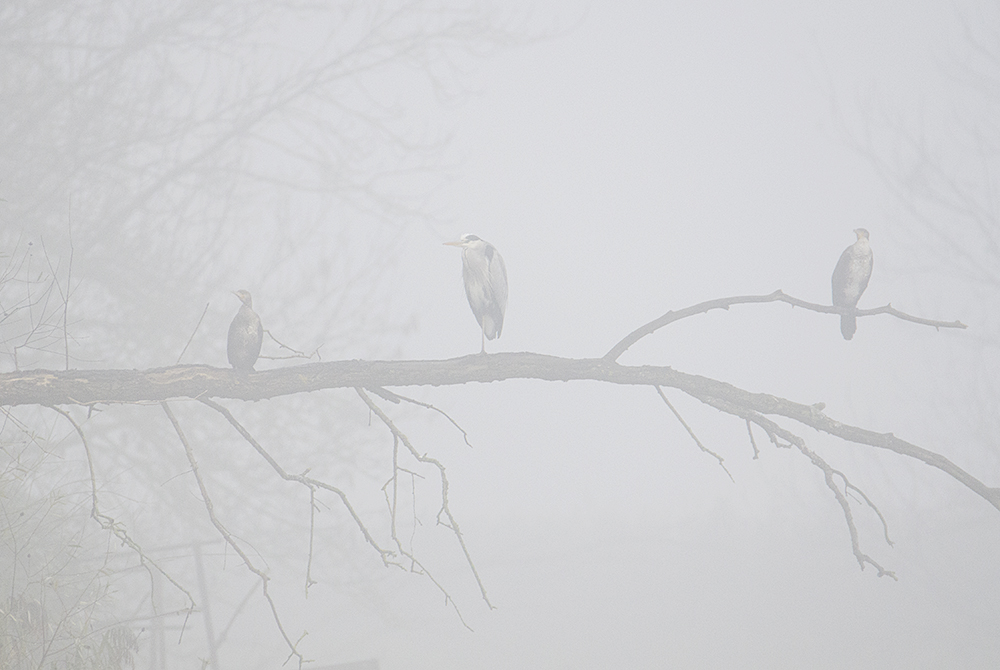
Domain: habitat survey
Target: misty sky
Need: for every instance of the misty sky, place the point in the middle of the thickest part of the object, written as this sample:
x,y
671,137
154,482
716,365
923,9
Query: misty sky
x,y
647,158
628,159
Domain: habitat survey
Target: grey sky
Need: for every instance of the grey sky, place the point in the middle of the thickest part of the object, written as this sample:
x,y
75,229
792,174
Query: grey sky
x,y
652,157
639,158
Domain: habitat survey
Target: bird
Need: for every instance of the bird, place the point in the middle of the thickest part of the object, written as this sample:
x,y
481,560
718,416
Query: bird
x,y
850,279
245,335
485,277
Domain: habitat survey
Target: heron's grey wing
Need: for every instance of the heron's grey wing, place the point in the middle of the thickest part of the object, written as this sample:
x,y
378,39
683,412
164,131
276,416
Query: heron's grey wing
x,y
498,284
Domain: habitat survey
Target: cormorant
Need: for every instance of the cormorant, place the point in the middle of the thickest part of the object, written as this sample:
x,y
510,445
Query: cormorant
x,y
850,279
245,335
485,284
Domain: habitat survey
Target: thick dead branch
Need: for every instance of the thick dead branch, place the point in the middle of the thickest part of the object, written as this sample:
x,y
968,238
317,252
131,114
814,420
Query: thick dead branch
x,y
115,386
777,296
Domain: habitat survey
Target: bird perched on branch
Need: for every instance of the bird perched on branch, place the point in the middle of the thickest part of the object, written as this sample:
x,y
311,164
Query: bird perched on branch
x,y
850,279
245,335
485,284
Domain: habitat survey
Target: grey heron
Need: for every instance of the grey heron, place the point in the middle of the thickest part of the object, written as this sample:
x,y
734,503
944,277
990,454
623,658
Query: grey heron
x,y
850,279
245,335
485,279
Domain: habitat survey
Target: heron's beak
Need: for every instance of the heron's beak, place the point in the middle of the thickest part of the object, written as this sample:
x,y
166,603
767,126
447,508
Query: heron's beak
x,y
454,244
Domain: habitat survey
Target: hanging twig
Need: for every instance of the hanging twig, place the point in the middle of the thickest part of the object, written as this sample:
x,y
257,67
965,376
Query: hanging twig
x,y
427,405
753,443
774,432
117,529
693,436
230,540
451,523
308,482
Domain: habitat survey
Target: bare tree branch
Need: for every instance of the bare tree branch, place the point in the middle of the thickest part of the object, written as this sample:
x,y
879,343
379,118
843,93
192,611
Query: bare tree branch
x,y
778,296
426,405
193,332
753,442
392,499
445,510
295,352
119,386
693,436
774,432
227,536
117,529
309,482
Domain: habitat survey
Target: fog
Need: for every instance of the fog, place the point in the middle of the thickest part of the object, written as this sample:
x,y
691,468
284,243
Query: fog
x,y
626,161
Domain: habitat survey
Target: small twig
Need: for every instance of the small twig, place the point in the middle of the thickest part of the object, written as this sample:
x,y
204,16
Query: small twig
x,y
62,296
413,503
395,497
451,523
196,326
427,405
224,532
308,482
693,436
312,536
295,352
848,486
778,296
753,443
777,433
235,615
69,275
385,394
116,528
828,474
391,502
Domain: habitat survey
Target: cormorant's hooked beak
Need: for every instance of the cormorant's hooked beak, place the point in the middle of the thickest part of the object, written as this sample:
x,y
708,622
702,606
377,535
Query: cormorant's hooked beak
x,y
243,298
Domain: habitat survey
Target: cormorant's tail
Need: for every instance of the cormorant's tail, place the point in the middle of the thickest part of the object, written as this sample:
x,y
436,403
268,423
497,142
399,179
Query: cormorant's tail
x,y
848,325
